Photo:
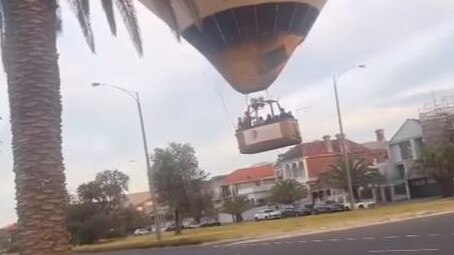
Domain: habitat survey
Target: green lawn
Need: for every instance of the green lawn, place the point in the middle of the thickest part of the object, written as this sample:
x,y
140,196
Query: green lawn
x,y
279,227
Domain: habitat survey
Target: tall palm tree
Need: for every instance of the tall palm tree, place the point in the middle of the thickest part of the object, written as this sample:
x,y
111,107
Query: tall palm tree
x,y
362,174
236,206
29,30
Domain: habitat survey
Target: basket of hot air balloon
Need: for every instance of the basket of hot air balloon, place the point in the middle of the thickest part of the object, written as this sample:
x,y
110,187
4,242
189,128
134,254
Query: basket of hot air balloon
x,y
247,41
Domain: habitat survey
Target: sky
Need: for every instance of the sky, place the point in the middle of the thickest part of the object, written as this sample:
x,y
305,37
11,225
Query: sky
x,y
407,45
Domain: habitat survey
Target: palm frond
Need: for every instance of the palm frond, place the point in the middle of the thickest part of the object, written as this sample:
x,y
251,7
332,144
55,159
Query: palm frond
x,y
107,5
129,15
84,21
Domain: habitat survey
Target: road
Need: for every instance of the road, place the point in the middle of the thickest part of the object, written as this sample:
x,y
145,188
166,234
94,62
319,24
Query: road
x,y
423,236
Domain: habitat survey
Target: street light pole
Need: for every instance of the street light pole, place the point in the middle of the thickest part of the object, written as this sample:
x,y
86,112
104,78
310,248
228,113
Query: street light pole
x,y
343,138
135,96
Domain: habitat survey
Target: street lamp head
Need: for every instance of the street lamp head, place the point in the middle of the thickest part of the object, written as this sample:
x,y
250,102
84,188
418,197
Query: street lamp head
x,y
95,84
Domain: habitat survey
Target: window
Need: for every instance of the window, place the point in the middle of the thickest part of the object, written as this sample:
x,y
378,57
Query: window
x,y
302,171
405,150
400,171
418,147
288,173
296,170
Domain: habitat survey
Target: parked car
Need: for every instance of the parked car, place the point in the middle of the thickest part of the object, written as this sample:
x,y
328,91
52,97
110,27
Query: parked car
x,y
327,208
304,210
172,227
141,232
267,214
210,223
288,212
360,204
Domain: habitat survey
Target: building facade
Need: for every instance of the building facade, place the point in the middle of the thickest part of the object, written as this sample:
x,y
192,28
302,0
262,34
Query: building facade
x,y
305,162
253,182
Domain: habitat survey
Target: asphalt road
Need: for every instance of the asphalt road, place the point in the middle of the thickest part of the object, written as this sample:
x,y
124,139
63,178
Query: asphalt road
x,y
423,236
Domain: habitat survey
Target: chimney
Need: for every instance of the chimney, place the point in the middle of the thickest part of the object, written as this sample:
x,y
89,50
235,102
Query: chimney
x,y
380,135
340,138
328,144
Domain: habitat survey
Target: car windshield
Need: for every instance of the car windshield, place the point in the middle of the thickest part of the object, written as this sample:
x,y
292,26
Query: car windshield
x,y
227,127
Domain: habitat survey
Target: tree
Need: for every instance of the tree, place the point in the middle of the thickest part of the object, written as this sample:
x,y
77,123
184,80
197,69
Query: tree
x,y
99,210
176,175
438,163
362,174
287,192
113,185
29,32
236,206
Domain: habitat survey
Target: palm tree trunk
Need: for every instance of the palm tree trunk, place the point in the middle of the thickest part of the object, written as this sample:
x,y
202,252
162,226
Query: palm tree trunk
x,y
34,93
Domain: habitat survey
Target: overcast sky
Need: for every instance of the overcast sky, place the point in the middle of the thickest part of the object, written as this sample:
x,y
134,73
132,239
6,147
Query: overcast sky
x,y
408,46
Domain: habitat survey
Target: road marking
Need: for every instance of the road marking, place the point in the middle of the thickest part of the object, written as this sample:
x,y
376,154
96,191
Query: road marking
x,y
411,236
289,242
434,234
334,240
390,237
265,243
369,238
350,239
277,242
302,241
403,250
317,241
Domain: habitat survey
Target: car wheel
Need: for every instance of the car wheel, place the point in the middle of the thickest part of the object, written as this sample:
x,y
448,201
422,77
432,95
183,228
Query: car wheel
x,y
361,206
257,219
266,217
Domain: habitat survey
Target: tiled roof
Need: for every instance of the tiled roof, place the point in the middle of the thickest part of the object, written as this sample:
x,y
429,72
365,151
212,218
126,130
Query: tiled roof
x,y
318,165
138,199
318,148
250,174
376,145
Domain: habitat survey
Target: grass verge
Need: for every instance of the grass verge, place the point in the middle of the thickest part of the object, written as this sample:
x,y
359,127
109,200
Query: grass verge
x,y
252,230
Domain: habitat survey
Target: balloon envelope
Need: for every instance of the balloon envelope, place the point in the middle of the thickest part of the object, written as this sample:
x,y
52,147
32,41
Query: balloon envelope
x,y
247,41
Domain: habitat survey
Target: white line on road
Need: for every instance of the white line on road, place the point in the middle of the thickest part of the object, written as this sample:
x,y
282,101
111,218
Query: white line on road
x,y
403,250
289,242
317,241
390,237
350,239
434,234
369,238
334,240
411,236
302,241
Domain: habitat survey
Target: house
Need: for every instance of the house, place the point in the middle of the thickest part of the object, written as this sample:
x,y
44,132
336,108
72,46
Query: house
x,y
305,162
141,201
405,149
253,182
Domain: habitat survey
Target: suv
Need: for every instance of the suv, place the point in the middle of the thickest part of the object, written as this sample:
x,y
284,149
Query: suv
x,y
267,214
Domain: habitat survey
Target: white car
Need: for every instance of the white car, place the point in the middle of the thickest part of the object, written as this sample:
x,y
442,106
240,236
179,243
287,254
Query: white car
x,y
141,232
361,204
267,214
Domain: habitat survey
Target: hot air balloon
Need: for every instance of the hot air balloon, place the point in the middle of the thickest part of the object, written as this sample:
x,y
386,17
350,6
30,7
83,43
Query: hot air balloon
x,y
248,42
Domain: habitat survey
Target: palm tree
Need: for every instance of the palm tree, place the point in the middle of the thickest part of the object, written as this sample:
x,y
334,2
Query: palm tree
x,y
236,207
287,192
29,30
438,163
362,174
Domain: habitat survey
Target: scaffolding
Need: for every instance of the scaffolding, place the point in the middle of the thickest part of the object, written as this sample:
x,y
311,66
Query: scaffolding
x,y
437,120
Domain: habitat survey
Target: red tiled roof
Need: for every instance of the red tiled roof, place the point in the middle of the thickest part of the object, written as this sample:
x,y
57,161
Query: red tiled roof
x,y
317,148
318,165
250,174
